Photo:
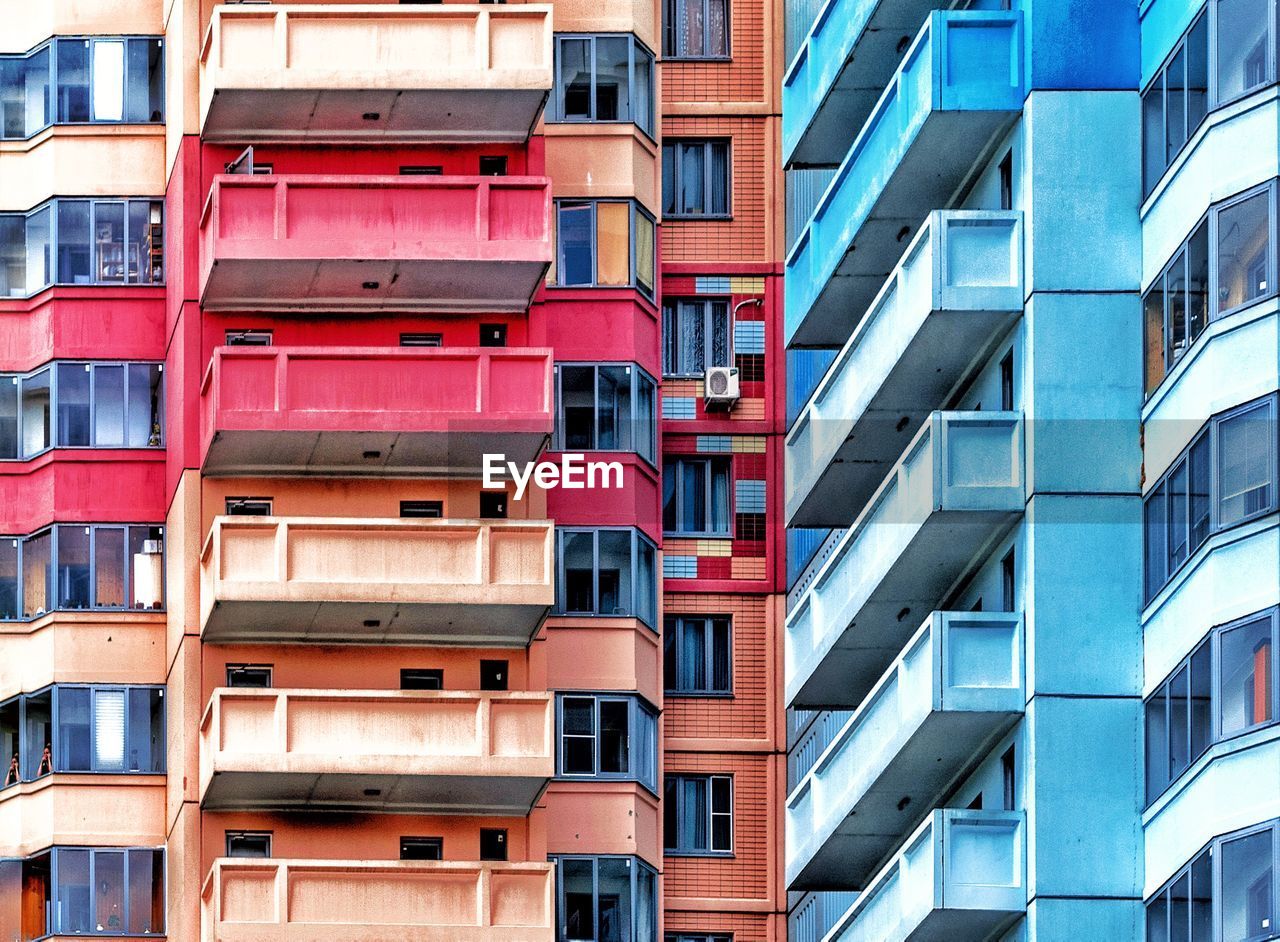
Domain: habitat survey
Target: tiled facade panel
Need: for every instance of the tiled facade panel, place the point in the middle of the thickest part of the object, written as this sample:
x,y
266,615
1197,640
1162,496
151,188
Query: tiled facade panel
x,y
744,715
744,927
741,80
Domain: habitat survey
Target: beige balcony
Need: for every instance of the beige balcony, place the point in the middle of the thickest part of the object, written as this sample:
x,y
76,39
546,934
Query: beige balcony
x,y
334,580
344,73
371,901
429,752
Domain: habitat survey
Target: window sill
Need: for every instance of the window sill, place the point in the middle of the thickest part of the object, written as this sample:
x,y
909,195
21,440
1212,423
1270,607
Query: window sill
x,y
697,217
713,854
724,59
698,695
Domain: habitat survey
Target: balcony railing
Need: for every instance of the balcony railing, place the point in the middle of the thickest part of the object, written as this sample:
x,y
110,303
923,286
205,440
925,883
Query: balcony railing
x,y
957,687
955,292
343,73
957,487
374,243
356,409
961,875
958,88
333,580
415,901
383,750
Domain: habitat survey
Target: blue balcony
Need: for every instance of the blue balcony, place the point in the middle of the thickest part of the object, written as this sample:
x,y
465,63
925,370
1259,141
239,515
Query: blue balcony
x,y
951,298
956,489
959,87
961,876
956,688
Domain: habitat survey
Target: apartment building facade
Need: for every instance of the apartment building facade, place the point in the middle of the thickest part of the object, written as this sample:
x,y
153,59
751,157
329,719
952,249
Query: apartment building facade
x,y
280,655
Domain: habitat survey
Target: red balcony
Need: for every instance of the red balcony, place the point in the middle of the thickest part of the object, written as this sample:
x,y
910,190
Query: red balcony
x,y
350,410
374,243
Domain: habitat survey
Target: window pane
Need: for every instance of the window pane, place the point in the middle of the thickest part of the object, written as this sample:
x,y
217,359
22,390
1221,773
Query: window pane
x,y
613,243
8,579
646,416
1242,46
642,91
719,521
578,407
1180,909
721,654
146,405
75,744
645,748
691,174
693,814
670,660
718,172
647,582
145,86
645,243
1246,682
36,413
613,55
1245,444
693,497
1157,736
146,892
73,567
108,80
146,566
73,79
1176,297
108,730
693,336
73,404
10,737
1178,504
8,415
575,243
1202,898
145,740
108,404
1201,701
1197,304
576,881
13,256
613,404
717,28
109,890
670,347
37,574
1153,153
74,263
720,334
24,94
613,736
1175,127
615,573
1197,73
139,266
575,79
1248,903
692,39
72,904
578,719
1179,723
693,655
109,243
668,178
670,470
1243,239
577,552
647,906
614,902
1198,484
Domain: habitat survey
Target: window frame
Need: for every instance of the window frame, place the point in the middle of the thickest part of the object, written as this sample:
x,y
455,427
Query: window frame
x,y
673,465
677,849
639,375
670,41
55,919
697,937
555,275
638,711
635,865
637,538
673,634
635,49
1160,491
677,145
671,317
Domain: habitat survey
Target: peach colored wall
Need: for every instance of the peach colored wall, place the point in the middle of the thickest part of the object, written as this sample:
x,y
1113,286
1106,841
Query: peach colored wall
x,y
66,160
74,648
66,808
603,160
28,23
601,654
609,16
184,876
603,818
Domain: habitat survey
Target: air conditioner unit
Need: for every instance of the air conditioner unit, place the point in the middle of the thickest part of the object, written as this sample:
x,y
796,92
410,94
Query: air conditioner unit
x,y
723,388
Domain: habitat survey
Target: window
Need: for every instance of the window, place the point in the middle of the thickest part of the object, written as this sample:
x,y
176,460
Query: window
x,y
81,405
606,407
494,674
421,340
1239,892
1006,181
81,242
433,509
249,338
422,678
695,336
493,843
607,737
493,166
698,813
695,29
1006,383
606,572
1243,250
604,78
600,243
72,80
493,505
697,655
695,496
493,335
695,179
1009,780
1226,477
422,848
248,843
1242,36
249,675
1226,686
81,566
90,891
606,899
247,506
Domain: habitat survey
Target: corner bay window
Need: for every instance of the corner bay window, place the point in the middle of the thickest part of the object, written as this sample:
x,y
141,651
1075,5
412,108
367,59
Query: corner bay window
x,y
606,899
101,891
695,179
603,79
603,244
1232,881
695,336
609,737
698,812
606,407
695,496
81,242
82,566
1224,688
697,655
1226,477
607,572
1227,262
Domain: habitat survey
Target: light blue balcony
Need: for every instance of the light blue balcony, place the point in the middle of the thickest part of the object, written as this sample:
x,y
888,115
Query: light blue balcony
x,y
957,688
839,72
958,88
957,488
951,298
960,878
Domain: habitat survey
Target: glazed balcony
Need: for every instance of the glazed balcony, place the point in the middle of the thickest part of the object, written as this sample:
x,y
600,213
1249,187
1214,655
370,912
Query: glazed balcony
x,y
958,88
960,876
365,901
332,580
957,688
958,487
951,298
373,244
436,752
327,410
374,73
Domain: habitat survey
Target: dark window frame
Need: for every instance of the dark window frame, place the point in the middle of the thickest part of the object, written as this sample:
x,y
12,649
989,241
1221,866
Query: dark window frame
x,y
675,842
672,474
673,630
646,614
641,769
671,176
635,52
713,311
639,217
640,380
674,13
636,867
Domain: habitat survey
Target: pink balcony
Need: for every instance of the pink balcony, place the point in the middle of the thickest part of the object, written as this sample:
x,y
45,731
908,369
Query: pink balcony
x,y
431,752
355,409
332,580
342,73
371,901
311,243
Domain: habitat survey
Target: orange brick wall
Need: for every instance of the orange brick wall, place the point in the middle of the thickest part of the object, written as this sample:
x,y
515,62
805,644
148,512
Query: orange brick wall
x,y
742,79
